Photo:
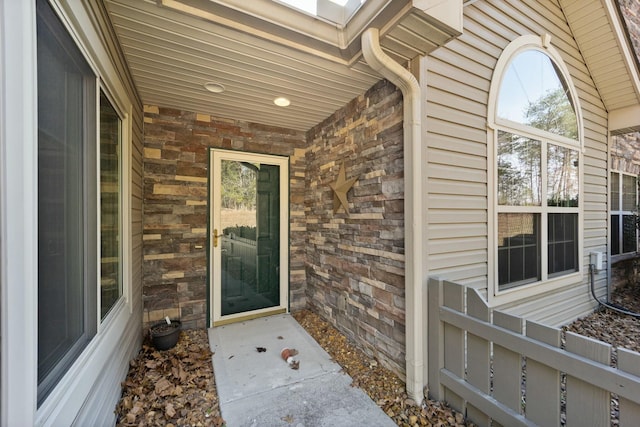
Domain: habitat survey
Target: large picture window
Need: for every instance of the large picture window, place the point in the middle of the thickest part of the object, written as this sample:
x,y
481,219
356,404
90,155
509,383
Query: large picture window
x,y
79,227
66,195
537,172
624,202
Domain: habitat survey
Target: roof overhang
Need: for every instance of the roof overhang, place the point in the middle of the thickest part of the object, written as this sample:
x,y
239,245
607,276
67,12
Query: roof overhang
x,y
409,27
625,120
261,49
601,36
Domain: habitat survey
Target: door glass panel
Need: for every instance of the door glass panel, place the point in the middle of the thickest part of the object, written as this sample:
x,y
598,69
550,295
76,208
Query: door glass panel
x,y
250,236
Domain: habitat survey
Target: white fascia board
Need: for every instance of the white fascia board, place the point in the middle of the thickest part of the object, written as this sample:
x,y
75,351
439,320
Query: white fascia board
x,y
624,120
445,12
628,53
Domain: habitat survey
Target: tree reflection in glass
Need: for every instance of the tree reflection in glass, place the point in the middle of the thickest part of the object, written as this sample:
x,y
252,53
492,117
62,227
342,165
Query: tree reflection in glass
x,y
562,176
519,170
534,93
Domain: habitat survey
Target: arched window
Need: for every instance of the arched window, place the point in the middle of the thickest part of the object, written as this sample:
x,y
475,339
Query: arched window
x,y
535,132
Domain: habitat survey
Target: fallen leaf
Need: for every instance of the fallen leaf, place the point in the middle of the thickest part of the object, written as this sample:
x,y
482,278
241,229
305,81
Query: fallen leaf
x,y
162,387
288,419
169,411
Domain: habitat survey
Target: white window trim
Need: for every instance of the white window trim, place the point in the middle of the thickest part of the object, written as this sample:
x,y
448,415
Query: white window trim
x,y
621,212
494,295
68,395
18,219
18,222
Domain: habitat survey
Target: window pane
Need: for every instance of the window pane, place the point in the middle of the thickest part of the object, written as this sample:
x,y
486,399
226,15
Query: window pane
x,y
519,171
534,93
615,234
562,243
110,255
518,249
562,176
615,191
629,241
66,104
629,193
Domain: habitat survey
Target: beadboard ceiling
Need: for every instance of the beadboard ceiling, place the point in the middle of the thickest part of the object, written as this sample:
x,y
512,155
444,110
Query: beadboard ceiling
x,y
260,49
174,47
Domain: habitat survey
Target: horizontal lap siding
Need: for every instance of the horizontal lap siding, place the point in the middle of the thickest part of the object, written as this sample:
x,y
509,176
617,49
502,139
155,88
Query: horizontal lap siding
x,y
458,82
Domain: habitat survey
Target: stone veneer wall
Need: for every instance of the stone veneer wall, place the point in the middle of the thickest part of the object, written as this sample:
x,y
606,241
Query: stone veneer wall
x,y
176,160
625,157
625,153
355,263
631,13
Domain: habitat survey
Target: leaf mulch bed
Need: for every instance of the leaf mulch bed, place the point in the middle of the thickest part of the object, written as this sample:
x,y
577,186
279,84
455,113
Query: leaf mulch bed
x,y
171,388
176,387
611,327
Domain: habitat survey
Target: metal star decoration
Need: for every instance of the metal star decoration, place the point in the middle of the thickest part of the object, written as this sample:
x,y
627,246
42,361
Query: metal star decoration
x,y
340,189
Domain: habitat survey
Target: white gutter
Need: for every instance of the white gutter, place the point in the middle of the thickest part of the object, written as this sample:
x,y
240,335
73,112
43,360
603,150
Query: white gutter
x,y
407,83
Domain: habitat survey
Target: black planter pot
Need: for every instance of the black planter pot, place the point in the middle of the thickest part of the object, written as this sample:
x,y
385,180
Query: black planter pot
x,y
165,336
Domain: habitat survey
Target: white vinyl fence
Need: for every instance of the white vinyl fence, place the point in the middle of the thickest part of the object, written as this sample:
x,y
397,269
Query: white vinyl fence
x,y
498,369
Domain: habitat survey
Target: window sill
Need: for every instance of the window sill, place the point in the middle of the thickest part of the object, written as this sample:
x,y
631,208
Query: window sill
x,y
498,298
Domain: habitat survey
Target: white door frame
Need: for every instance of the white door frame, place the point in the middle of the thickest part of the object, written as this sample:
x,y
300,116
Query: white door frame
x,y
215,259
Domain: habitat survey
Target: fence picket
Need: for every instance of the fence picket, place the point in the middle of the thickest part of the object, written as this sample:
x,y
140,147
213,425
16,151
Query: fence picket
x,y
543,382
478,356
507,365
466,347
629,361
454,337
435,338
586,403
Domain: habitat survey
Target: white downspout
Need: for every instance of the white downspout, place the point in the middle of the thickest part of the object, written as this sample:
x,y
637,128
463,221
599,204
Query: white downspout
x,y
407,83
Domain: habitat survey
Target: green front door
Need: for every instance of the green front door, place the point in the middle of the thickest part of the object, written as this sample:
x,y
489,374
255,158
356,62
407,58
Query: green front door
x,y
248,244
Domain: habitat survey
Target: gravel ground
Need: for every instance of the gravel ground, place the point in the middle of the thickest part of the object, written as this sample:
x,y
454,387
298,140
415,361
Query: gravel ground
x,y
176,387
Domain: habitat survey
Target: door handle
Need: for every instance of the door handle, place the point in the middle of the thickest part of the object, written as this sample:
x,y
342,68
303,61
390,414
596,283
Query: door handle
x,y
215,237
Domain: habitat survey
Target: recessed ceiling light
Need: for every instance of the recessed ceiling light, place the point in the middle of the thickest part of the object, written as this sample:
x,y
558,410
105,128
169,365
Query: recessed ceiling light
x,y
282,102
214,87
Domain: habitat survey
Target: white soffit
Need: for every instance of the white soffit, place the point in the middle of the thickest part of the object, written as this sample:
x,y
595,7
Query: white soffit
x,y
600,36
259,50
172,55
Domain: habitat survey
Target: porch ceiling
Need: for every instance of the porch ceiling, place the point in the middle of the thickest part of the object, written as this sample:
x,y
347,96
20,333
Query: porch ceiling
x,y
174,47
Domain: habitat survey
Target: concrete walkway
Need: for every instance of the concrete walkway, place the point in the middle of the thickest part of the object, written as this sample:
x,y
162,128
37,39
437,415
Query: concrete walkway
x,y
260,389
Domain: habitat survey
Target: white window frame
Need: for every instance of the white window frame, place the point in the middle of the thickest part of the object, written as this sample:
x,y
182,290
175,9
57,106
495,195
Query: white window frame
x,y
19,219
495,124
125,208
621,213
67,396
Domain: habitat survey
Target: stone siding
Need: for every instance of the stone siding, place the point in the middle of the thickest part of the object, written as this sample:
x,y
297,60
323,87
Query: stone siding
x,y
355,263
625,157
176,159
625,153
631,13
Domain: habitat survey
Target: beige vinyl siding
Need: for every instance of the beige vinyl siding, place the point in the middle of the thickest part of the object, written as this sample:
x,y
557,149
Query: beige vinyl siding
x,y
137,170
458,82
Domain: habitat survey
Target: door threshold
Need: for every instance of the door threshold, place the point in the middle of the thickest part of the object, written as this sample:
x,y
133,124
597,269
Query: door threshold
x,y
249,316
